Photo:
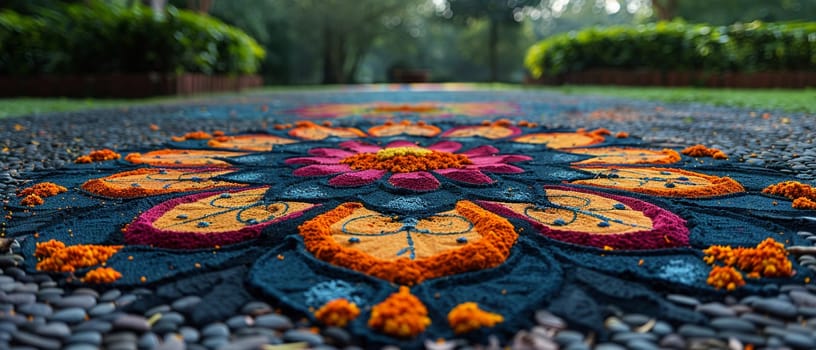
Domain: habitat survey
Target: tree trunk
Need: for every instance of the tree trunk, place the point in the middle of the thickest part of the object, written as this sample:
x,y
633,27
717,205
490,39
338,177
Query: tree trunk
x,y
328,62
493,43
665,11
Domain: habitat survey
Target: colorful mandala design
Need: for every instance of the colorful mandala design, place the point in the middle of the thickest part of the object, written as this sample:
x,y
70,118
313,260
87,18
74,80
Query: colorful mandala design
x,y
390,110
345,225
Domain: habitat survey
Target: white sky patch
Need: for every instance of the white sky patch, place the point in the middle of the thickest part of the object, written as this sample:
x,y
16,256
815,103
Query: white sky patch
x,y
558,7
612,6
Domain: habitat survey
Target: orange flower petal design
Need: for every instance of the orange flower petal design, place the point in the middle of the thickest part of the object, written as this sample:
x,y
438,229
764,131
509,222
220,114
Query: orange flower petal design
x,y
183,158
310,131
492,132
558,140
151,182
620,155
404,129
665,182
255,143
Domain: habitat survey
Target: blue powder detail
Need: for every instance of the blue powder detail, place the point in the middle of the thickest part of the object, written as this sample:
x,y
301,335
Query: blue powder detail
x,y
135,185
461,240
324,292
203,224
559,222
619,206
665,173
195,179
181,216
167,186
252,221
682,178
162,171
669,185
613,176
603,224
177,162
681,271
309,192
354,240
407,203
226,195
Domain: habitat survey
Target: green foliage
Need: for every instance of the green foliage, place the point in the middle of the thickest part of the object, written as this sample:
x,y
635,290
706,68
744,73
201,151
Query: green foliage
x,y
96,37
676,45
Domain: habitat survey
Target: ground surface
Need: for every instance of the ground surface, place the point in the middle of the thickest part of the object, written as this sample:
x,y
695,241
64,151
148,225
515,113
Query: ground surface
x,y
42,311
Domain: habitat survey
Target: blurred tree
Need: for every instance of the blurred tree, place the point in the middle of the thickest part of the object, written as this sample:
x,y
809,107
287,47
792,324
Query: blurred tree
x,y
725,12
497,12
666,10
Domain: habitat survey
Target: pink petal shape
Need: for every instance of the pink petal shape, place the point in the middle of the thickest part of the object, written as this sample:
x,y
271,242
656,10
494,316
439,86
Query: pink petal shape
x,y
470,176
499,168
360,147
415,181
330,152
481,151
321,170
312,160
499,159
401,143
357,178
446,146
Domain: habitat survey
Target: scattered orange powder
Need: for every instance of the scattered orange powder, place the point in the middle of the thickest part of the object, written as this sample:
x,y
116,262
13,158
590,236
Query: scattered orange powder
x,y
622,135
154,127
804,203
703,151
218,133
102,275
768,259
43,189
68,259
195,135
32,200
803,195
467,317
400,315
98,156
600,132
407,163
725,277
337,313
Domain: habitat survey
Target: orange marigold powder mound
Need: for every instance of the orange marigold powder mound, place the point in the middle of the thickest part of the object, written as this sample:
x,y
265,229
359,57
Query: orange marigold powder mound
x,y
102,275
768,259
46,249
98,156
43,189
804,203
468,316
703,151
195,135
70,258
32,200
337,313
725,277
622,135
400,315
407,163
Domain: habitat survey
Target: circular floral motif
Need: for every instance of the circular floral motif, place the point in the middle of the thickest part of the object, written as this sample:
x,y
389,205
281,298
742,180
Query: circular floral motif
x,y
321,222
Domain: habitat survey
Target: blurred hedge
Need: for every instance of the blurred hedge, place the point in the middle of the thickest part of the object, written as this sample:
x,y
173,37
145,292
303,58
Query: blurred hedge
x,y
96,37
677,46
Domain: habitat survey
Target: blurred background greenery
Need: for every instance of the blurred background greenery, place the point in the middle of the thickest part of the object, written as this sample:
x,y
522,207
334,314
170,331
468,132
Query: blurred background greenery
x,y
368,41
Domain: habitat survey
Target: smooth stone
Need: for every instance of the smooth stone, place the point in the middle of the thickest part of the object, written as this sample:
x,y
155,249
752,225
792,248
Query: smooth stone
x,y
186,304
694,331
238,322
215,330
745,338
635,320
36,309
577,346
799,341
762,320
775,307
248,343
732,324
120,337
102,309
189,334
97,325
547,319
87,337
7,327
126,299
164,327
70,315
30,288
716,310
256,308
54,329
171,342
609,346
640,344
673,341
295,335
110,295
336,336
274,321
616,325
802,298
86,291
793,327
37,341
567,337
122,346
662,328
807,311
81,346
158,309
148,340
131,322
81,301
215,343
172,317
626,337
18,298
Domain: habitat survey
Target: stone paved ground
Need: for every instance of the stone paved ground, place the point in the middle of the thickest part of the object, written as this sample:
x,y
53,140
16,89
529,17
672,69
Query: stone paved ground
x,y
38,312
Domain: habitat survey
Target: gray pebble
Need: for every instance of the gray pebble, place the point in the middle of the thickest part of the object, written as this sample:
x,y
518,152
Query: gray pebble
x,y
662,328
635,320
36,341
102,309
716,310
745,338
18,298
122,346
36,309
110,295
148,340
171,342
799,341
120,337
131,322
567,337
172,317
248,343
626,337
97,325
775,307
186,304
158,309
336,336
93,338
256,308
295,335
694,331
577,346
189,334
126,299
732,324
609,346
30,288
547,319
164,327
81,346
673,341
762,320
70,315
640,344
82,301
803,298
54,330
216,343
238,322
86,291
215,330
274,321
